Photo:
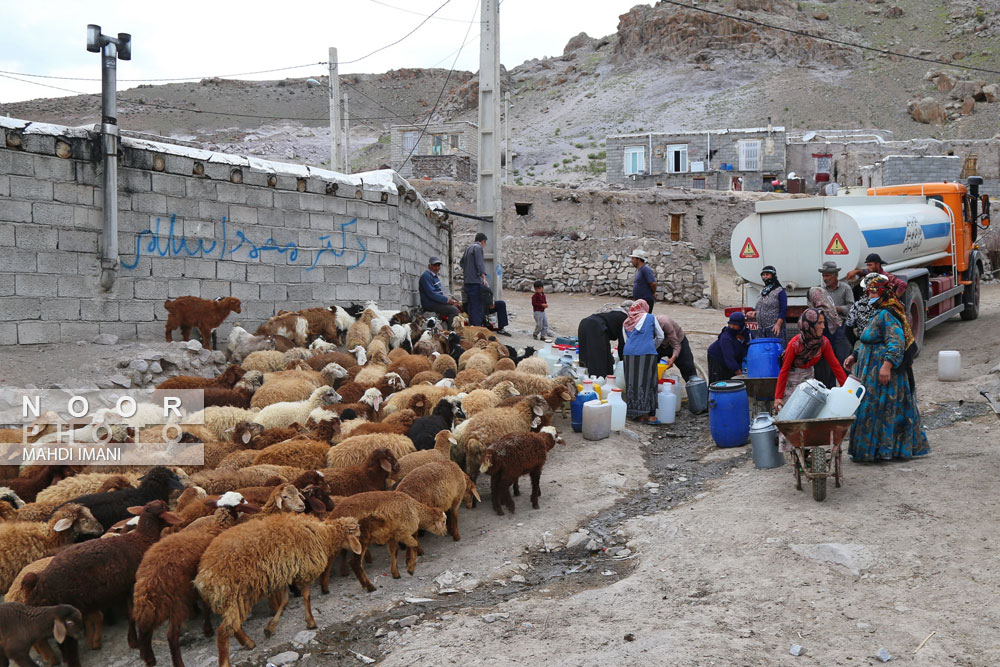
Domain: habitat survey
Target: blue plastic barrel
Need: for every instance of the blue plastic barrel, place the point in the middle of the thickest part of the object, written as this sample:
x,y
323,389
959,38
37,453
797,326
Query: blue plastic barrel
x,y
728,413
576,409
762,358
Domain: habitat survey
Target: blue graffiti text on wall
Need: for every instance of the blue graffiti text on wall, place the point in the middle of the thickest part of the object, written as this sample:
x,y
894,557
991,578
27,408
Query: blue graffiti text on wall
x,y
176,244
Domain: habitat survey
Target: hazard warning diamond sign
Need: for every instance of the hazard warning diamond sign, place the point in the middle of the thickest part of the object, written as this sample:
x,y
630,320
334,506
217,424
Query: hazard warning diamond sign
x,y
836,246
749,250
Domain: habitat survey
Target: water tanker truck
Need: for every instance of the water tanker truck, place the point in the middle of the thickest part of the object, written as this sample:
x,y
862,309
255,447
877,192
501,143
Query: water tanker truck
x,y
925,233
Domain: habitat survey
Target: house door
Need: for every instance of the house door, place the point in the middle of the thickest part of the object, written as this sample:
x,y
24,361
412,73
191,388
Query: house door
x,y
737,183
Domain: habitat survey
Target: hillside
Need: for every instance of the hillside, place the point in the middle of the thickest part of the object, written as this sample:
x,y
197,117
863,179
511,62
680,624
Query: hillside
x,y
665,68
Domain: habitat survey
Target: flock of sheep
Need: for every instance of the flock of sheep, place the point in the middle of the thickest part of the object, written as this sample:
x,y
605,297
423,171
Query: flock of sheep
x,y
331,431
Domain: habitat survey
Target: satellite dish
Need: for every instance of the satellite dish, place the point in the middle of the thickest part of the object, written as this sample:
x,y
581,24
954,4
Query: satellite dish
x,y
808,136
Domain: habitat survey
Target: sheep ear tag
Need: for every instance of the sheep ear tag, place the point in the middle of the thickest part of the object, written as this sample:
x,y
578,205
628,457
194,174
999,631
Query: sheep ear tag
x,y
386,466
59,630
62,524
135,509
246,438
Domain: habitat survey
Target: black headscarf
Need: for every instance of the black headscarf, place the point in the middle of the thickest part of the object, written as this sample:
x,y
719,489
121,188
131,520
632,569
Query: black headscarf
x,y
773,283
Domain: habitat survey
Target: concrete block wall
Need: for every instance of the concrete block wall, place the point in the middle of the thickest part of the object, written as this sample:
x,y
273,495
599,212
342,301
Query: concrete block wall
x,y
902,169
192,222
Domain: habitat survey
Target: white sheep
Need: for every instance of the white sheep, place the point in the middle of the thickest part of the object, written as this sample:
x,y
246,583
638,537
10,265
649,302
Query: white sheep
x,y
282,414
241,343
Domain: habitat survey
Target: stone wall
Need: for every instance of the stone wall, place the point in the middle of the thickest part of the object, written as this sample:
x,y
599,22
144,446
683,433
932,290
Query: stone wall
x,y
444,167
903,169
193,222
602,266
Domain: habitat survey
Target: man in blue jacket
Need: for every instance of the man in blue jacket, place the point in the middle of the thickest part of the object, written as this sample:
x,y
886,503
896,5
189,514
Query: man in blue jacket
x,y
432,296
644,284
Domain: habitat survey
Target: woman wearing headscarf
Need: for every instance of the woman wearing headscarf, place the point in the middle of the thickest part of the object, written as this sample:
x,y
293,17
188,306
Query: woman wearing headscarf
x,y
820,299
772,306
887,423
861,313
726,354
595,334
642,335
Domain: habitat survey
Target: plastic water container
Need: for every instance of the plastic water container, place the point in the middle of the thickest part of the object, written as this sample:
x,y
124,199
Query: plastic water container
x,y
764,442
661,368
596,420
610,382
599,383
949,365
805,402
620,374
762,358
677,384
728,413
666,406
618,409
576,409
843,401
697,395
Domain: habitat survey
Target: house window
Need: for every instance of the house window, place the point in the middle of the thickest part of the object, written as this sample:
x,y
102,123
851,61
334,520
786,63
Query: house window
x,y
698,184
437,144
749,155
410,141
677,158
635,160
453,142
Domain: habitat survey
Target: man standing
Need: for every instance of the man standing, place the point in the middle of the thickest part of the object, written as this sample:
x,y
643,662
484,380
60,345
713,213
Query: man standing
x,y
675,347
474,277
841,293
644,285
432,296
873,263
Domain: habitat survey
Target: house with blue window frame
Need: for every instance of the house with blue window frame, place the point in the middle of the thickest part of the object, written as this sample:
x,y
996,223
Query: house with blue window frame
x,y
438,150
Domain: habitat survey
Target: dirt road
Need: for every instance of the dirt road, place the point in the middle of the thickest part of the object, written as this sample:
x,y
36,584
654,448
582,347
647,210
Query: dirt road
x,y
698,557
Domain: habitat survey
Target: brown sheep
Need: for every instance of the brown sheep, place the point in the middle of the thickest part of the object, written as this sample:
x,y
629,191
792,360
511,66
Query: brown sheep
x,y
443,443
360,333
468,380
379,343
485,360
533,365
431,395
512,456
351,392
206,315
426,377
483,399
321,322
479,431
301,453
242,565
356,450
374,370
30,483
443,363
290,325
345,360
228,378
396,354
239,396
444,486
394,517
401,425
504,364
410,365
372,475
556,398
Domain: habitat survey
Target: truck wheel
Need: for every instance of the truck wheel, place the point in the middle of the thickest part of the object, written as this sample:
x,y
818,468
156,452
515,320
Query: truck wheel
x,y
914,304
971,296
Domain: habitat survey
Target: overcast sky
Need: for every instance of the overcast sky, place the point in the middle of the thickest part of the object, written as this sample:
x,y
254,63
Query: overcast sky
x,y
183,38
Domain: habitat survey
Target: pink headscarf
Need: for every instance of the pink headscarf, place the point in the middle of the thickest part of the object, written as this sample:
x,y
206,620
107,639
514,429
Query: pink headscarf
x,y
635,314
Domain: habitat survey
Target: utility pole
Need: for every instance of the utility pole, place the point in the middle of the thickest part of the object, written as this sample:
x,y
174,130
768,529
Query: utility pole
x,y
488,202
347,136
336,147
506,136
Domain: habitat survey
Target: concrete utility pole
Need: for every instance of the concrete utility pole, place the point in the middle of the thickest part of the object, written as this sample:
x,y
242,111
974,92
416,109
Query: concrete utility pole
x,y
336,147
506,136
347,136
488,202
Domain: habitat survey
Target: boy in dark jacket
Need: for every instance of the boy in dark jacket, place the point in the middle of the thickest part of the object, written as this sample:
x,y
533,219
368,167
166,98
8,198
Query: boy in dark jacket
x,y
538,306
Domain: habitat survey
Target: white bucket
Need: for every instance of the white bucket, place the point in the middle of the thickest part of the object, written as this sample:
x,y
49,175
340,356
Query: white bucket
x,y
949,365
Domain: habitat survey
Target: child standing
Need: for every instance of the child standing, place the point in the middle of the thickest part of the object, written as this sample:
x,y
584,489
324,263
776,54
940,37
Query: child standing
x,y
538,306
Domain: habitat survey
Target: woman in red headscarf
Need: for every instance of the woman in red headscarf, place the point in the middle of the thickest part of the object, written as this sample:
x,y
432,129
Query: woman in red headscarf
x,y
887,423
803,353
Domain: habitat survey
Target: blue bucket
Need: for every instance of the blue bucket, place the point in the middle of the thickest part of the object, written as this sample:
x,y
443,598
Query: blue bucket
x,y
728,413
762,358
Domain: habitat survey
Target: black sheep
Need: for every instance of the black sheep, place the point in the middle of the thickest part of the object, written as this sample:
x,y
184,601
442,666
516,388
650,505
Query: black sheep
x,y
22,627
111,507
425,429
455,348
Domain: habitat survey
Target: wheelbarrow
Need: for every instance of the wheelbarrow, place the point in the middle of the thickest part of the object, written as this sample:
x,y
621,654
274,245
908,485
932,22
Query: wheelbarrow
x,y
816,453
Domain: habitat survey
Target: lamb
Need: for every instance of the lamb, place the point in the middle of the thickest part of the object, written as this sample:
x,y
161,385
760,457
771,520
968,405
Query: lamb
x,y
220,481
426,377
368,406
443,363
113,506
512,456
204,314
28,486
401,425
227,378
380,342
401,399
240,396
22,542
285,413
357,357
444,486
526,383
352,392
294,385
504,364
163,583
393,517
22,627
469,380
360,332
290,325
410,365
321,322
475,434
96,574
241,566
374,370
424,430
555,398
372,475
241,343
302,453
265,361
255,436
443,443
533,365
482,399
356,450
485,360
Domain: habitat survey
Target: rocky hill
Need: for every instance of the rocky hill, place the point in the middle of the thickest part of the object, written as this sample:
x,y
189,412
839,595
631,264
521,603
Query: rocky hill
x,y
667,67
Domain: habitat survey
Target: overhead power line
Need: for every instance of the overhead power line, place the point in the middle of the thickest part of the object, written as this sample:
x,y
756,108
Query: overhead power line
x,y
802,33
175,78
410,11
391,44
